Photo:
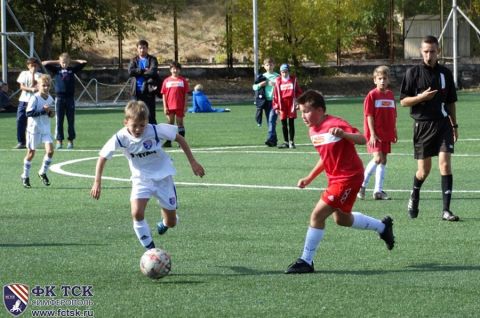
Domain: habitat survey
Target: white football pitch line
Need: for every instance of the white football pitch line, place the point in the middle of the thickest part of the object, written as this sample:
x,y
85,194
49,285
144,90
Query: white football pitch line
x,y
58,168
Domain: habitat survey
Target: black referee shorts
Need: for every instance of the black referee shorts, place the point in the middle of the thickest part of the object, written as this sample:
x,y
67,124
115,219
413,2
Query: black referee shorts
x,y
432,137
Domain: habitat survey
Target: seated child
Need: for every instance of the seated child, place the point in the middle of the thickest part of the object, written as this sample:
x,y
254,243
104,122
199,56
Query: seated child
x,y
201,104
5,103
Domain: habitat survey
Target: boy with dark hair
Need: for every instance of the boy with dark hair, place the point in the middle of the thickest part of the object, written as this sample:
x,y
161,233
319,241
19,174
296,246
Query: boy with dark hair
x,y
335,140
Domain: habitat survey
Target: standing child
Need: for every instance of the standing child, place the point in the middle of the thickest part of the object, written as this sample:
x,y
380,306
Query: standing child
x,y
28,85
39,110
150,166
174,91
285,93
380,115
63,71
335,141
264,85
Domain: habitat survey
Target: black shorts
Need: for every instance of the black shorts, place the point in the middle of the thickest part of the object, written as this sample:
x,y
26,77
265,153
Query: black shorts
x,y
432,137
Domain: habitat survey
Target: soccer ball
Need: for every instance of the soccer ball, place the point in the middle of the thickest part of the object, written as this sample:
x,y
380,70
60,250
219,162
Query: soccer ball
x,y
155,263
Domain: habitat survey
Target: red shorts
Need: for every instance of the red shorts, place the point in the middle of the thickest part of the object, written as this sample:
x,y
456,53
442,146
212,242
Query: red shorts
x,y
380,146
342,195
177,112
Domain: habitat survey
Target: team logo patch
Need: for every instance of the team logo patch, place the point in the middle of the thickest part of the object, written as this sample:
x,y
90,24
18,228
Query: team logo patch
x,y
323,139
172,200
15,298
147,144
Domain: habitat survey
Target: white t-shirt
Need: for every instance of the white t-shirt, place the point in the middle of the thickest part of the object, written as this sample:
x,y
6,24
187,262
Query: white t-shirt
x,y
25,78
38,123
146,158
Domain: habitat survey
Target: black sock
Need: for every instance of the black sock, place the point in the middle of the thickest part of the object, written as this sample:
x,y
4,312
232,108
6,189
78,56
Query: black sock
x,y
417,184
181,131
150,246
447,185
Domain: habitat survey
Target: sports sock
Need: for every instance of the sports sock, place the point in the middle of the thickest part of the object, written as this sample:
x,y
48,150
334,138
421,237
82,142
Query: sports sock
x,y
365,222
447,185
26,168
45,165
379,177
142,230
181,131
312,239
371,166
417,185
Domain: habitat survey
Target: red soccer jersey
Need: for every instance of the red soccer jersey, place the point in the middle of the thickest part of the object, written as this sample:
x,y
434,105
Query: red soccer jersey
x,y
339,155
174,90
284,94
381,106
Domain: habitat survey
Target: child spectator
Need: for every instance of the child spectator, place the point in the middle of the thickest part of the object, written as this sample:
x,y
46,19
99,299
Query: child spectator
x,y
143,68
380,115
150,166
39,110
63,73
285,92
201,104
263,88
28,85
335,140
174,90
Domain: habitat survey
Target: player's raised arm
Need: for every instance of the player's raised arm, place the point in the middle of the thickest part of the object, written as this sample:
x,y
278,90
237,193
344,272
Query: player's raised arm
x,y
196,167
97,183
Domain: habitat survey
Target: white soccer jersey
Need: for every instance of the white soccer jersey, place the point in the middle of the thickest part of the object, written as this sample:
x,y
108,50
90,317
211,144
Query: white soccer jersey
x,y
146,158
38,121
26,79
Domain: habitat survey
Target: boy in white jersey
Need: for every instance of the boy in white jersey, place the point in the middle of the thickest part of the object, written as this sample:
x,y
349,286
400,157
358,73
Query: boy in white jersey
x,y
39,111
150,166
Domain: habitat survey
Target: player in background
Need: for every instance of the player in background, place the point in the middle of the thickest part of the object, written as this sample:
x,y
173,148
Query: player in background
x,y
267,82
63,71
335,140
380,115
174,90
151,168
39,110
285,91
28,85
429,91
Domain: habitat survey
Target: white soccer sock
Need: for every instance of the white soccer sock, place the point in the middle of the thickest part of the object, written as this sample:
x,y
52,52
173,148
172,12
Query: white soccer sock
x,y
368,172
379,177
26,168
142,230
45,165
365,222
312,240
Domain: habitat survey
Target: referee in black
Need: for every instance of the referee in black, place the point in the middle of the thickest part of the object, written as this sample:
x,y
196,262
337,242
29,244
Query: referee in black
x,y
429,90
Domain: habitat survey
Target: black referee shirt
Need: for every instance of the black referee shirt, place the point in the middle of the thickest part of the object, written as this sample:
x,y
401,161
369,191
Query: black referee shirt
x,y
418,79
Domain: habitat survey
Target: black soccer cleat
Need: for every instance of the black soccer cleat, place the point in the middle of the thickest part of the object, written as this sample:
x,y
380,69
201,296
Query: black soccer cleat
x,y
413,207
387,234
26,183
44,179
449,216
167,144
300,267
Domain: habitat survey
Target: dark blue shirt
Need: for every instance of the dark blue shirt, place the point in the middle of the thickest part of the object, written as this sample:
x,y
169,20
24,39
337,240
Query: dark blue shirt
x,y
64,78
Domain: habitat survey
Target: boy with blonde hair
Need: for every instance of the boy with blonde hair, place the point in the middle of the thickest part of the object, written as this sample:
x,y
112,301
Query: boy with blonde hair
x,y
151,168
39,111
380,114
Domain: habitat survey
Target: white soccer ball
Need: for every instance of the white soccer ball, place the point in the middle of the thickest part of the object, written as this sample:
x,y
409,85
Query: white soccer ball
x,y
155,263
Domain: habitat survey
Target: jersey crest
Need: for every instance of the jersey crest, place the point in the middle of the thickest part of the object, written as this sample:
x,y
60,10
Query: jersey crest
x,y
323,139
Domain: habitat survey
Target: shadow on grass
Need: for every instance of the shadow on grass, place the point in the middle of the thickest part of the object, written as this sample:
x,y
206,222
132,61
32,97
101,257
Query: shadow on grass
x,y
47,244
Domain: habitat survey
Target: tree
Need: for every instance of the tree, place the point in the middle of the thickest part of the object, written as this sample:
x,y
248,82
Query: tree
x,y
175,7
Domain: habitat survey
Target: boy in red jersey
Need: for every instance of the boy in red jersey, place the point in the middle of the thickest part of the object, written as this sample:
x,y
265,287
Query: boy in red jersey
x,y
174,90
335,140
380,115
285,91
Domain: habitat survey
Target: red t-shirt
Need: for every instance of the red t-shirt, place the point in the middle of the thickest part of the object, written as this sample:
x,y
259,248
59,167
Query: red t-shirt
x,y
174,91
284,94
381,106
339,155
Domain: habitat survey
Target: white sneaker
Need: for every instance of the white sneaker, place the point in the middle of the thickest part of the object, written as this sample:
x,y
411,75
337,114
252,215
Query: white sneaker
x,y
361,193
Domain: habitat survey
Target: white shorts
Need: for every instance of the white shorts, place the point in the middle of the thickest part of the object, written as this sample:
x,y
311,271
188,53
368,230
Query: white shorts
x,y
164,190
33,140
